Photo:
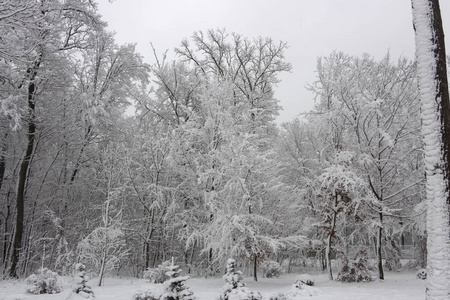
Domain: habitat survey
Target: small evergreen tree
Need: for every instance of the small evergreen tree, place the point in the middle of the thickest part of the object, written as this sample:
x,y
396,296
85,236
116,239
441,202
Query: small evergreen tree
x,y
175,286
81,279
234,289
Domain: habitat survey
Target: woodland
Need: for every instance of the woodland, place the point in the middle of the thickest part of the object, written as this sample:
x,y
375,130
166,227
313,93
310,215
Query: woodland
x,y
200,172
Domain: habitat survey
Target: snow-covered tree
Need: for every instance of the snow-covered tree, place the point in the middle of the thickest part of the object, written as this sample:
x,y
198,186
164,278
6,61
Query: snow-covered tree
x,y
81,279
340,191
252,65
234,288
103,250
175,286
36,45
105,246
371,107
434,96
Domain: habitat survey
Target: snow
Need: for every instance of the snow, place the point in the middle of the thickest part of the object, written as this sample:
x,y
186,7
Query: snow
x,y
437,212
399,286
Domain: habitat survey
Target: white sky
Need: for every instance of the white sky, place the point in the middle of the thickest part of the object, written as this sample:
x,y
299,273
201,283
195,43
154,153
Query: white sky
x,y
312,28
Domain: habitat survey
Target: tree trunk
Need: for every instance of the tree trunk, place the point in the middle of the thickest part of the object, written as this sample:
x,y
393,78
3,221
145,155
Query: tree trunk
x,y
329,239
255,268
149,237
106,241
104,257
434,95
23,171
379,246
2,163
5,235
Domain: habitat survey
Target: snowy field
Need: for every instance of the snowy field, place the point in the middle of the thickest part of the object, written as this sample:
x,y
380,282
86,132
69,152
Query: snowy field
x,y
398,286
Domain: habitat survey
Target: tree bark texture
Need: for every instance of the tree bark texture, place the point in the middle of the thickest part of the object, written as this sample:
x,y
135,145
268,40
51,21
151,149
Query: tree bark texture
x,y
24,168
434,96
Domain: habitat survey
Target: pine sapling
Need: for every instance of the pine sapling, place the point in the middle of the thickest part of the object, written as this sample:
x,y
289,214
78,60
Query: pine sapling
x,y
81,279
234,288
175,286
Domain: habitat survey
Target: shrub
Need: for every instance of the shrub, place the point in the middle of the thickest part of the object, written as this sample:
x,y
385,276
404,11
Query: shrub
x,y
279,296
154,293
144,296
298,290
357,270
422,274
271,269
44,282
157,275
305,279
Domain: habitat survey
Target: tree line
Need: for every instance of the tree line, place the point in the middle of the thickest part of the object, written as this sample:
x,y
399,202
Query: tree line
x,y
201,172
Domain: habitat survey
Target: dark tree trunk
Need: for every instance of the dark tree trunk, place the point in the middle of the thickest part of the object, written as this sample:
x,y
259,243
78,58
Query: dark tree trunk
x,y
2,164
379,247
330,238
442,89
255,268
23,171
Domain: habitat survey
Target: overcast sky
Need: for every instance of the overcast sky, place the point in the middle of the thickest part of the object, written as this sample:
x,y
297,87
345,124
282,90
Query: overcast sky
x,y
312,28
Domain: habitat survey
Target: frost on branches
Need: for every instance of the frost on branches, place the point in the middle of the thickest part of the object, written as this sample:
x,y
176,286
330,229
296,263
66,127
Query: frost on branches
x,y
103,247
234,288
157,275
433,86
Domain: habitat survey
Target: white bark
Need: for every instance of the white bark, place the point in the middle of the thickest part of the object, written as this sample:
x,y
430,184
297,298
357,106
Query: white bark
x,y
438,282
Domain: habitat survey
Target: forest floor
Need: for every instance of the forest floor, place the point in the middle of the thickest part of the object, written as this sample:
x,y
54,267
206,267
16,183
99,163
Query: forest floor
x,y
397,285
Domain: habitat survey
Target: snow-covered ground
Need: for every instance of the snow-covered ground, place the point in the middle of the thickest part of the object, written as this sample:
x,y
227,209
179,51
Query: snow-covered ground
x,y
398,286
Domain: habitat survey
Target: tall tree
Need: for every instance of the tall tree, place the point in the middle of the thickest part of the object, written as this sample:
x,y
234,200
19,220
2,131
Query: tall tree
x,y
373,108
434,95
65,83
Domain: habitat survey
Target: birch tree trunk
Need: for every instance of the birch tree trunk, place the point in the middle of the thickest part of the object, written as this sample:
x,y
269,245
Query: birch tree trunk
x,y
434,95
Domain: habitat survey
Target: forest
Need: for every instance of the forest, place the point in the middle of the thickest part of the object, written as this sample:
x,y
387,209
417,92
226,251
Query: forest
x,y
200,171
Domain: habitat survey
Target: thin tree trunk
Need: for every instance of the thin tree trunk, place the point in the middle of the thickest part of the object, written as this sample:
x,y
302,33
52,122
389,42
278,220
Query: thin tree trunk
x,y
192,256
2,162
147,242
106,241
329,239
379,246
103,266
7,238
5,235
434,95
255,267
23,171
